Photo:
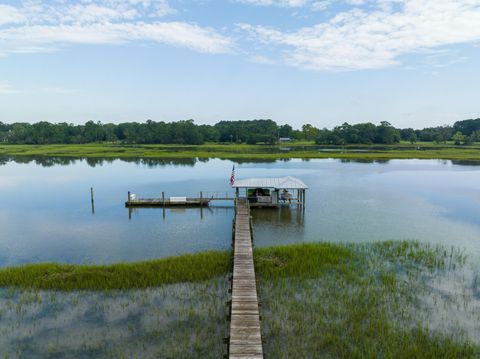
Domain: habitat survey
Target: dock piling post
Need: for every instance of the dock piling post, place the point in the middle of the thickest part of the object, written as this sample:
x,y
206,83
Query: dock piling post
x,y
128,199
163,199
92,200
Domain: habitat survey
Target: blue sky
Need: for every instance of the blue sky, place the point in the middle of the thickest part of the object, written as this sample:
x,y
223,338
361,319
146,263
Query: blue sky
x,y
414,63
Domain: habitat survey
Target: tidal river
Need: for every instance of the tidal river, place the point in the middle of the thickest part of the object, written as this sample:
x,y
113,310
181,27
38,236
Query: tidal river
x,y
46,212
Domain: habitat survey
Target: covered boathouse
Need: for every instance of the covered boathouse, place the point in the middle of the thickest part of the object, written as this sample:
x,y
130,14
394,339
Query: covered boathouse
x,y
271,192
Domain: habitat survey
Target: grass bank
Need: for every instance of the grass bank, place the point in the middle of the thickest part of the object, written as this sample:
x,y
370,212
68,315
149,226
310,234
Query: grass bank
x,y
65,277
248,152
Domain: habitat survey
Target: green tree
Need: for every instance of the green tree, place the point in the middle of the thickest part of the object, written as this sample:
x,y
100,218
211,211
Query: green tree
x,y
310,132
387,134
458,138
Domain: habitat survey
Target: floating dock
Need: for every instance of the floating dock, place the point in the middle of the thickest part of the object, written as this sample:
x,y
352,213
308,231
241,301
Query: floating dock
x,y
133,201
245,334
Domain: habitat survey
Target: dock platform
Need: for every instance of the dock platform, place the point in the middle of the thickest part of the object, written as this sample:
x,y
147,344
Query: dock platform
x,y
245,332
158,202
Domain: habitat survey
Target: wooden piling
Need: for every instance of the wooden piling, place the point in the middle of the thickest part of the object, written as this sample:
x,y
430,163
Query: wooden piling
x,y
92,200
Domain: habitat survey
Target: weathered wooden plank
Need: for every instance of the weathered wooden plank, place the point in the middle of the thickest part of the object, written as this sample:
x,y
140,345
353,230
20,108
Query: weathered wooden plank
x,y
245,332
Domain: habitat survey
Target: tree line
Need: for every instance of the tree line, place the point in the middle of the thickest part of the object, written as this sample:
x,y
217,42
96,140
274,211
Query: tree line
x,y
251,132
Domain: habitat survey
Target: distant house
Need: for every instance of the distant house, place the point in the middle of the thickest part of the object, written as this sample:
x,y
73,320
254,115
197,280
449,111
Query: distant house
x,y
284,139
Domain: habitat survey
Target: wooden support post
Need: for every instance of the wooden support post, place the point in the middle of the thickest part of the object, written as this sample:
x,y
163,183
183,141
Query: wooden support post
x,y
163,199
128,199
92,200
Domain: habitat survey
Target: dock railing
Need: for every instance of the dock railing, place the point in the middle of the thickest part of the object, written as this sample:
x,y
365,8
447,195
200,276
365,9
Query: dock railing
x,y
218,195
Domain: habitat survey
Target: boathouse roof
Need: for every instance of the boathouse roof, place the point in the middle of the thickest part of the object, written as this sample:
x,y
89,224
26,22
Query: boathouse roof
x,y
277,183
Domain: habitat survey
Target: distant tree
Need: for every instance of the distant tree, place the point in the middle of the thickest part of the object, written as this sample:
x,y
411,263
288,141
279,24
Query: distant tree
x,y
387,134
458,138
408,134
310,132
324,137
467,127
285,131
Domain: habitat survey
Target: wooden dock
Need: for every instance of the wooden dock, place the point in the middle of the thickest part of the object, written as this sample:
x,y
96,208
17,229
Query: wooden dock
x,y
202,201
245,334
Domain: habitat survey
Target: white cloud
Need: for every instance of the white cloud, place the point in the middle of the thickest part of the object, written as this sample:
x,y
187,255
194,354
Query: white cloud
x,y
57,90
10,15
46,27
321,5
361,39
258,59
6,88
282,3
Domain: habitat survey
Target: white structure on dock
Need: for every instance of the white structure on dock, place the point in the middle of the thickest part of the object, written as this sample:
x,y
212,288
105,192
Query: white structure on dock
x,y
271,192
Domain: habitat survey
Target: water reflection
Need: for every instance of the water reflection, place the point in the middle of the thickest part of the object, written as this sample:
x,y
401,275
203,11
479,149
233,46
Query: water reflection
x,y
172,321
46,212
97,161
189,162
100,161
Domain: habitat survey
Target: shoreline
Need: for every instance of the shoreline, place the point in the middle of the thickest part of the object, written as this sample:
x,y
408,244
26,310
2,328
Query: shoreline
x,y
247,152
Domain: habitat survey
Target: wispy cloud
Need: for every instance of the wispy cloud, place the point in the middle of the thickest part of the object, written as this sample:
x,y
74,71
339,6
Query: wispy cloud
x,y
375,36
41,26
57,90
282,3
6,88
10,15
258,59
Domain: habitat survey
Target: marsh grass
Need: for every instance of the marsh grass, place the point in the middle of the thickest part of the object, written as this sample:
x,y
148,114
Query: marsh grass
x,y
185,320
247,152
372,300
355,301
66,277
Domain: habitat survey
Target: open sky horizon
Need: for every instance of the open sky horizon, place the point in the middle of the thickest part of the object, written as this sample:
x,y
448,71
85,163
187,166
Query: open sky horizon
x,y
414,63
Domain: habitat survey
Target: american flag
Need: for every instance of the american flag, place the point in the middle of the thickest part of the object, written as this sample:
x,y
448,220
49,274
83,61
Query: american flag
x,y
232,177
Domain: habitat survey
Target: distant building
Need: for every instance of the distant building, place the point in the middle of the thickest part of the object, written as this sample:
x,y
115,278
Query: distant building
x,y
284,139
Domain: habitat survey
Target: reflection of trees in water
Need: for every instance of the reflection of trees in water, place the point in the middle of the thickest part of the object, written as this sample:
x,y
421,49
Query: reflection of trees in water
x,y
97,161
465,163
360,160
50,161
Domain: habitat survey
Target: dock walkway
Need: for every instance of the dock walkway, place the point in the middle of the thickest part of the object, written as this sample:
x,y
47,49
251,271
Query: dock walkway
x,y
245,333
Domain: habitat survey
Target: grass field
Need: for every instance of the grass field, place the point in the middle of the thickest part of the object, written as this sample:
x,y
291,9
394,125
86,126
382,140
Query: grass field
x,y
249,152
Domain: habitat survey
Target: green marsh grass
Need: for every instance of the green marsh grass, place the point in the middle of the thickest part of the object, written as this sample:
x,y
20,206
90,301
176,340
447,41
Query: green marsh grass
x,y
248,152
370,300
355,301
183,320
185,268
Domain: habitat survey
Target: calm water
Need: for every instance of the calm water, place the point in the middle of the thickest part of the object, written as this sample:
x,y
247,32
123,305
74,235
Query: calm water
x,y
46,214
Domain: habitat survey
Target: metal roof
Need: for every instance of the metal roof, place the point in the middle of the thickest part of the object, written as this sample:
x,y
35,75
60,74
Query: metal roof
x,y
277,183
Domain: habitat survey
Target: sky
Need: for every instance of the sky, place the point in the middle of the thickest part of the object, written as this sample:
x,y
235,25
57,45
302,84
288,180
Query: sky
x,y
414,63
